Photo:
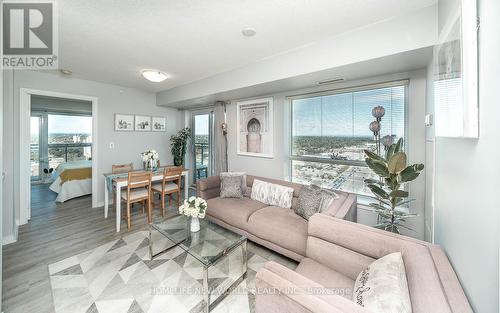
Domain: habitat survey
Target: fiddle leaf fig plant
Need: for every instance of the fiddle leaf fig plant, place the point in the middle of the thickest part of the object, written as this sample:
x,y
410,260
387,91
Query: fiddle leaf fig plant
x,y
394,173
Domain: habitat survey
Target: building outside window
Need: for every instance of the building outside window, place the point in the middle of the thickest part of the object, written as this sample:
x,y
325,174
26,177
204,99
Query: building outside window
x,y
330,131
58,138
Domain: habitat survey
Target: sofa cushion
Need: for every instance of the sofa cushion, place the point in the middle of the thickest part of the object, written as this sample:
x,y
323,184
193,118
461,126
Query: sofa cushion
x,y
309,201
382,286
338,284
241,175
272,194
296,187
303,291
234,211
280,226
230,187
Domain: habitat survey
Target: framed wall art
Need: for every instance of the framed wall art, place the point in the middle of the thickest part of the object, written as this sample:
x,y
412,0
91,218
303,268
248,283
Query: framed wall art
x,y
124,122
142,123
159,123
255,128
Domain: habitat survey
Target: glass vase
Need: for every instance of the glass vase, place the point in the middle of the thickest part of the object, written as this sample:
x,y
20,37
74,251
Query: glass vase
x,y
195,224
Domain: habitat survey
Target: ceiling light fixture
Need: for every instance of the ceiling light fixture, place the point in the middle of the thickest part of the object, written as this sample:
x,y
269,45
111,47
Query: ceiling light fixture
x,y
154,76
248,32
66,71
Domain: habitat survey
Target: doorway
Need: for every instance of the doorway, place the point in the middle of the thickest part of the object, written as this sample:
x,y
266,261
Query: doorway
x,y
37,155
202,144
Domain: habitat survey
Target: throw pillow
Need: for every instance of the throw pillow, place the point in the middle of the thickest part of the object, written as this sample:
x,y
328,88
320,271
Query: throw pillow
x,y
272,194
230,187
308,202
243,177
382,286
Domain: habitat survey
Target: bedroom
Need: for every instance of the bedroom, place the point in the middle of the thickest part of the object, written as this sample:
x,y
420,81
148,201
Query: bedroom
x,y
60,151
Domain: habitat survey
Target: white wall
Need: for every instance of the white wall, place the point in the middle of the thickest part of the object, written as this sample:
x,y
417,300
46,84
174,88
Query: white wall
x,y
278,167
111,100
467,171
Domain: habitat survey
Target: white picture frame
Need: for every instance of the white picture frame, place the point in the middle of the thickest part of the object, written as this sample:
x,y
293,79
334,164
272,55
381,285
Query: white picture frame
x,y
124,122
255,135
456,113
142,123
158,123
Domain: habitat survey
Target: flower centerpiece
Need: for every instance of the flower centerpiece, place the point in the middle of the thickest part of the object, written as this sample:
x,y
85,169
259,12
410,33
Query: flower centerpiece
x,y
195,207
150,159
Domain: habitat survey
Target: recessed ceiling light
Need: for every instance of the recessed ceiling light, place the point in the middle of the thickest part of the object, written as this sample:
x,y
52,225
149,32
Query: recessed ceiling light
x,y
248,32
154,76
66,71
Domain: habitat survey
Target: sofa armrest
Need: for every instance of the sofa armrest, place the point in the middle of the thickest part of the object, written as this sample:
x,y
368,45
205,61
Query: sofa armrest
x,y
346,209
208,188
279,289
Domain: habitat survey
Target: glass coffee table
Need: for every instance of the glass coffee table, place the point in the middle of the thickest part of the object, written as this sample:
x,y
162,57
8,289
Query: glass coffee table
x,y
211,246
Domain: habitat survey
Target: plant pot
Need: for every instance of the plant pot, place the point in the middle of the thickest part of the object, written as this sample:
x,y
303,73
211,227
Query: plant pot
x,y
195,224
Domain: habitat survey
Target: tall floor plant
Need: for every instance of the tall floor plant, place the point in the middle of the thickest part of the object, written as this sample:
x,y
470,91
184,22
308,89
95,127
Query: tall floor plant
x,y
178,144
389,190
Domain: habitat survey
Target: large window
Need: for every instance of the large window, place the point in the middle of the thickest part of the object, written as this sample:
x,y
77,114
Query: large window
x,y
69,138
331,130
57,138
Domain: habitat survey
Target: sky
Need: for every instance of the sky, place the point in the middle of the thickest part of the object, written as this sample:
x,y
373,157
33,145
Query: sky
x,y
65,124
201,124
349,114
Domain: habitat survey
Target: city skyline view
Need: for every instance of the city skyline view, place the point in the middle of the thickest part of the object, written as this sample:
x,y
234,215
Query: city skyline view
x,y
64,124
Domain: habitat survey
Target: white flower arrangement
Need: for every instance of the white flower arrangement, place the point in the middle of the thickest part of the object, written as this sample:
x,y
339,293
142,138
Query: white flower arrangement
x,y
194,206
149,155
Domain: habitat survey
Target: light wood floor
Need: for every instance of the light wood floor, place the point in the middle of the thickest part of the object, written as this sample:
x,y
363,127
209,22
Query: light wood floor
x,y
56,231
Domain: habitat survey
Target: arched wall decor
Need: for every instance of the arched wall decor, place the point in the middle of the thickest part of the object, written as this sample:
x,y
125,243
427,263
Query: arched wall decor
x,y
255,128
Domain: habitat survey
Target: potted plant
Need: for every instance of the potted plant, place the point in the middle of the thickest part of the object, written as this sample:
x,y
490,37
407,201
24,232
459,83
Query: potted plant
x,y
394,175
178,143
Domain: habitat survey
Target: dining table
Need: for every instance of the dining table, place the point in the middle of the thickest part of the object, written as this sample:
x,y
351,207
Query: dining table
x,y
120,180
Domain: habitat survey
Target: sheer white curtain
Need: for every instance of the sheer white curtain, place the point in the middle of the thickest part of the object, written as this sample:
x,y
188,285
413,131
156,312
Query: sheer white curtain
x,y
220,141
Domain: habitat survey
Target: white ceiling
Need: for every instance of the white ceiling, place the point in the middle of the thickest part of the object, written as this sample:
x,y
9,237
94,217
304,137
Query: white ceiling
x,y
113,40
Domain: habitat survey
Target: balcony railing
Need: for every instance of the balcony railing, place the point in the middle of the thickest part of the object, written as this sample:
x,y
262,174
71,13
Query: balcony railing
x,y
202,153
58,153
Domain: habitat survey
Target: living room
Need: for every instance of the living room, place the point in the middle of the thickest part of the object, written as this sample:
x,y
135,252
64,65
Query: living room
x,y
251,156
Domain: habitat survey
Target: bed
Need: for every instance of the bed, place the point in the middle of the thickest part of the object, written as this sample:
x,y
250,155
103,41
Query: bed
x,y
72,179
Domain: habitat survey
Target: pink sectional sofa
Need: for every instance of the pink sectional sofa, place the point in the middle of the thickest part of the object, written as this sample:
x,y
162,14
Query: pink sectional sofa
x,y
336,252
276,228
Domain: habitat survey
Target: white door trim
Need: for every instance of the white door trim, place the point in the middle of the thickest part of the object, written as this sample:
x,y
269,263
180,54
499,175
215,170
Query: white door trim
x,y
24,174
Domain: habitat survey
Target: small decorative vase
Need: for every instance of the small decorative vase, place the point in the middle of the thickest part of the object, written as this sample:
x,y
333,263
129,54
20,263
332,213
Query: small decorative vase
x,y
195,224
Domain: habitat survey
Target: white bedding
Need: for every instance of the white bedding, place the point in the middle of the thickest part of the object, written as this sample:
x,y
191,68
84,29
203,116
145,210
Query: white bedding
x,y
72,188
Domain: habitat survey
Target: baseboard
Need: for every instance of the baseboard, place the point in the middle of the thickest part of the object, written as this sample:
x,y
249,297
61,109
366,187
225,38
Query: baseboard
x,y
8,240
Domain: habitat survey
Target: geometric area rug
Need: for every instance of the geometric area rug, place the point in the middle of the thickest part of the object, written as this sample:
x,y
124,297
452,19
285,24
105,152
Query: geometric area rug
x,y
119,277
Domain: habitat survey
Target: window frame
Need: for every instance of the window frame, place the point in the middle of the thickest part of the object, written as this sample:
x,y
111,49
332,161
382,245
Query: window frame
x,y
397,83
